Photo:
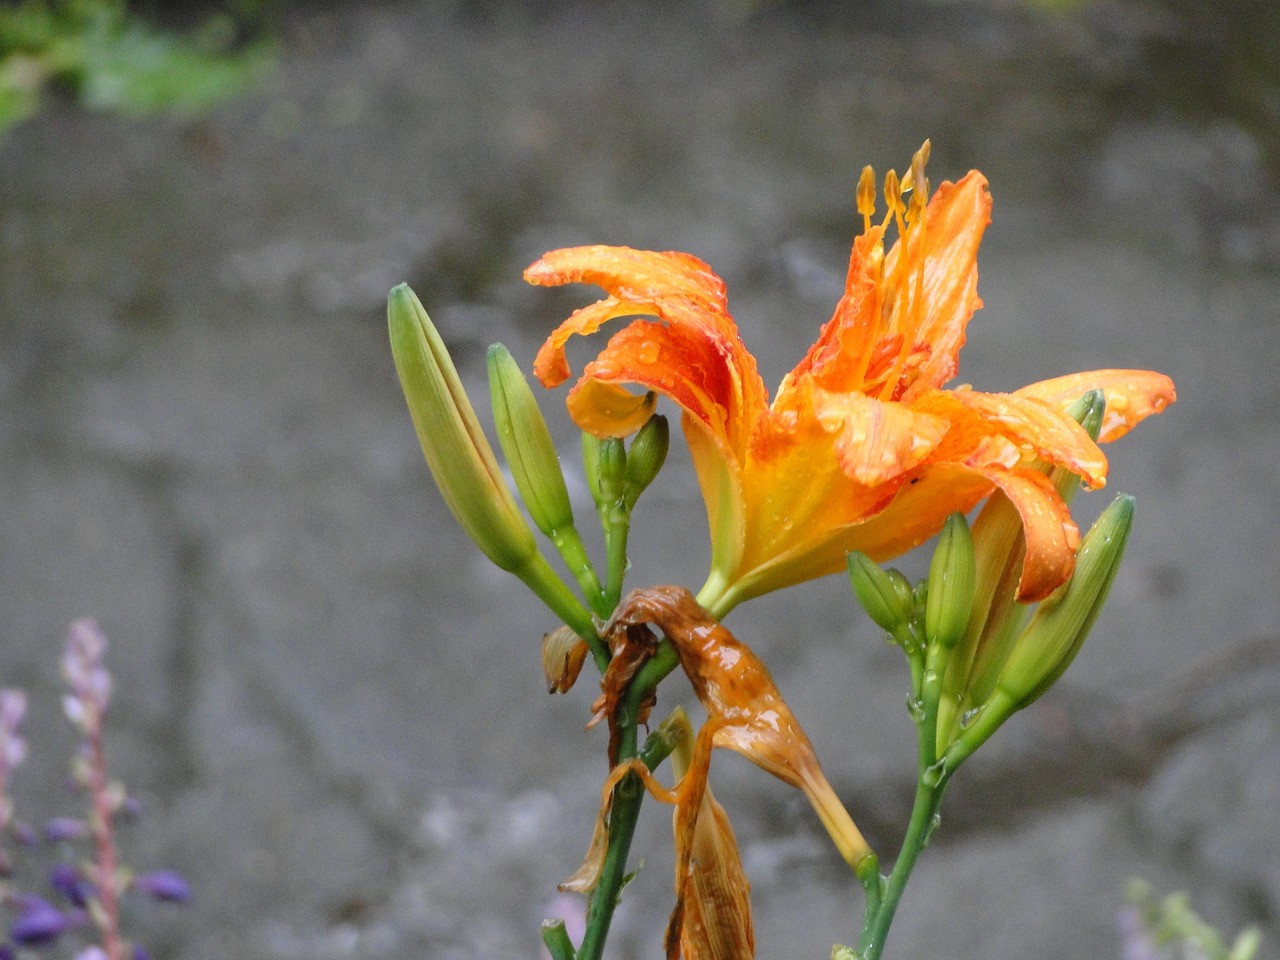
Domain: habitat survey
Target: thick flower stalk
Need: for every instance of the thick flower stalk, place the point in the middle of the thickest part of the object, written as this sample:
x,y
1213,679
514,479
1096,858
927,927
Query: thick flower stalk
x,y
861,448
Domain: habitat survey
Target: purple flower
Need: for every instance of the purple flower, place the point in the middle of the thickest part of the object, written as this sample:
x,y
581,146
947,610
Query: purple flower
x,y
64,828
164,885
84,672
69,882
39,921
13,749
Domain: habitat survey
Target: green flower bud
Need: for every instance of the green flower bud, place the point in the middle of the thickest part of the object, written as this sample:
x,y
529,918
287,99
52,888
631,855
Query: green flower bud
x,y
647,455
527,443
884,594
949,600
612,471
1058,629
457,451
591,448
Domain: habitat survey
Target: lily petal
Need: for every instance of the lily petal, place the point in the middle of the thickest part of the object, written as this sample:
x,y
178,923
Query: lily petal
x,y
1051,535
1041,429
1132,396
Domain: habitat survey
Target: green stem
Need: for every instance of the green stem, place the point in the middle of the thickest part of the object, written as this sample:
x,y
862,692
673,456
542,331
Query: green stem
x,y
557,940
931,784
568,542
616,530
875,929
624,808
551,590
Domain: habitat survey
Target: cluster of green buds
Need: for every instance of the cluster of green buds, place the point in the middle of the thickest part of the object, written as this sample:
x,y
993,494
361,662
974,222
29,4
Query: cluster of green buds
x,y
977,656
473,485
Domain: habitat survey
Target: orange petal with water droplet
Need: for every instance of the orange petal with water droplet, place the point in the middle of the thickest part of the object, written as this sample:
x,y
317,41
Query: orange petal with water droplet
x,y
606,410
955,220
1046,430
1051,535
877,441
1132,396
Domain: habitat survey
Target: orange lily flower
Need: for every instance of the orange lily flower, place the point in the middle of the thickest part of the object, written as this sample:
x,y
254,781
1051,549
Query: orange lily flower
x,y
861,448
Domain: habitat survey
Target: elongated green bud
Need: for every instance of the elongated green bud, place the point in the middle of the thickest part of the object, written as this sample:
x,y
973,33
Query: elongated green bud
x,y
527,443
591,448
996,620
1058,629
951,584
647,455
612,471
884,594
457,451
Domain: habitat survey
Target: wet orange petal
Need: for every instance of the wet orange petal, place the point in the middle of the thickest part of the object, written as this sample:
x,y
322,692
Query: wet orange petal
x,y
955,220
842,354
876,441
1041,429
916,512
1132,396
1051,535
551,366
606,410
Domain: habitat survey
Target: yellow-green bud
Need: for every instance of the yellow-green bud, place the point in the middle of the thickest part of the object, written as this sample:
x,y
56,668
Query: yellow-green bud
x,y
951,584
591,447
1058,629
647,455
884,594
527,443
452,439
612,475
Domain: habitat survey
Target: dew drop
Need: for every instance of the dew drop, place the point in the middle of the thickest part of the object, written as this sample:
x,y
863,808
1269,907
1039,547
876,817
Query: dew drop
x,y
934,822
915,707
933,775
968,717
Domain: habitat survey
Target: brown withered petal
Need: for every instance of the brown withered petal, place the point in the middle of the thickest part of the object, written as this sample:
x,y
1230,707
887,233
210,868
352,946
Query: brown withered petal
x,y
586,877
563,653
713,887
717,906
629,649
745,711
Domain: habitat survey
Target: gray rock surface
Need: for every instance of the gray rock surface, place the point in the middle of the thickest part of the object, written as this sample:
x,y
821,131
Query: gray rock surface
x,y
332,707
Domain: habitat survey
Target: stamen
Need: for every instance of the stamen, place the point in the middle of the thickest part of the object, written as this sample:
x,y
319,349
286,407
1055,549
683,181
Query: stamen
x,y
893,192
908,279
867,197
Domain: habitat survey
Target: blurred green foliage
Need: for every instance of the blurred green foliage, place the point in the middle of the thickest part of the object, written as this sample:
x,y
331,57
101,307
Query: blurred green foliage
x,y
109,59
1168,927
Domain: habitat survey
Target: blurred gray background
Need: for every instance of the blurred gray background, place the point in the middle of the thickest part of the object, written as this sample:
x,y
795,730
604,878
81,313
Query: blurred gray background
x,y
332,707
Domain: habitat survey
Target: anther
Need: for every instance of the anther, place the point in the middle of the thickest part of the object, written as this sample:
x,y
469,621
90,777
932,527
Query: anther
x,y
867,196
893,192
